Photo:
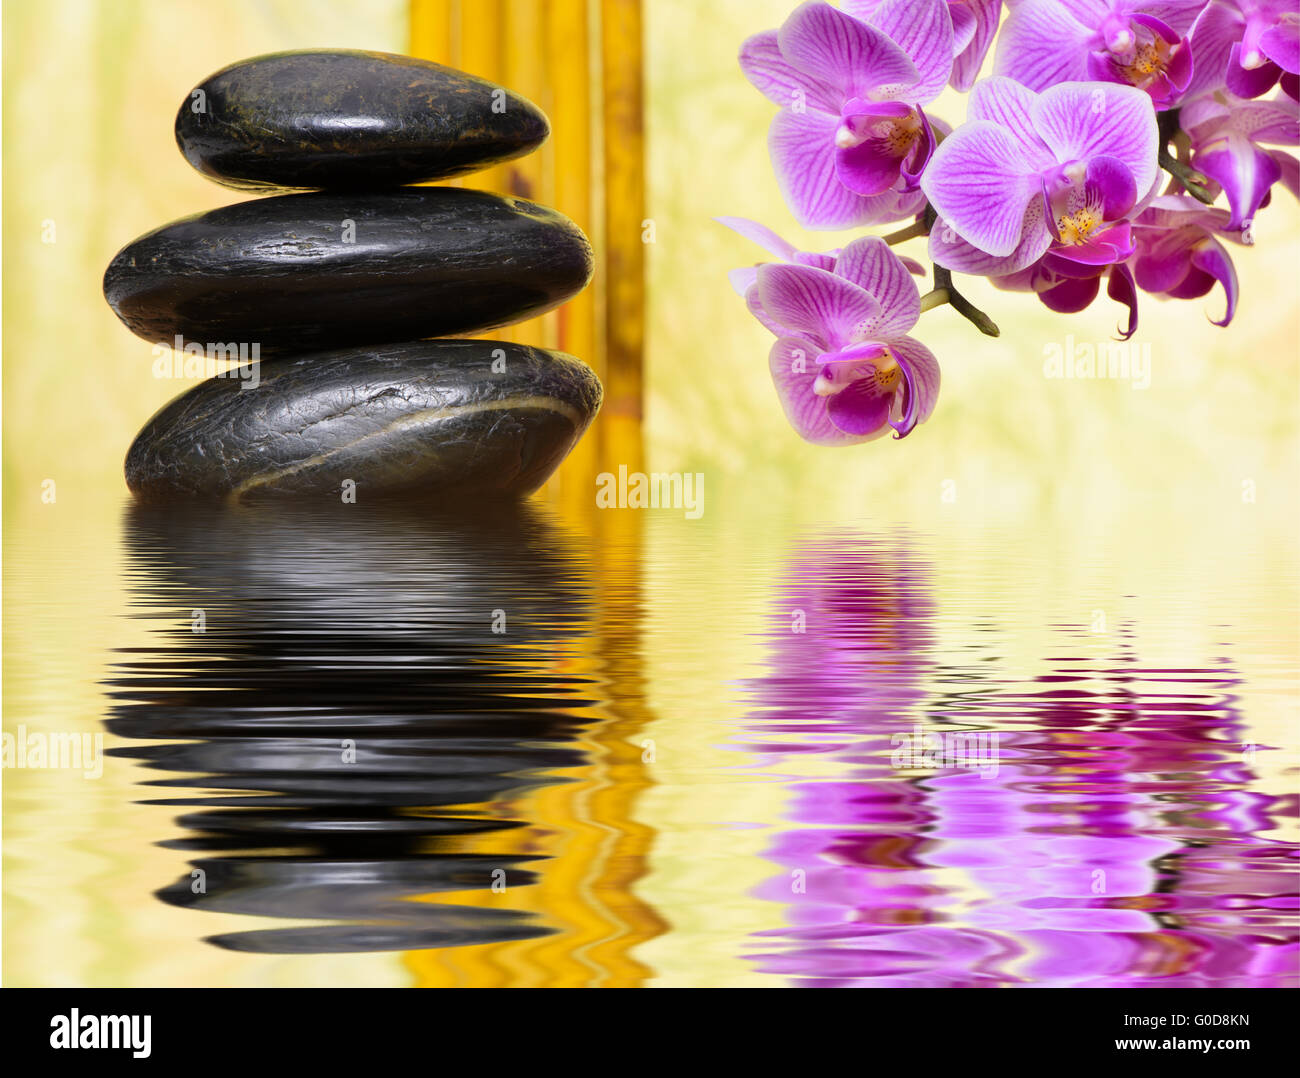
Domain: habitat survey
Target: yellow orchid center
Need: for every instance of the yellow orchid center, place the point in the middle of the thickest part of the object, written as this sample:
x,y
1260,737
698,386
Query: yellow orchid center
x,y
902,134
1149,62
896,135
1077,228
887,371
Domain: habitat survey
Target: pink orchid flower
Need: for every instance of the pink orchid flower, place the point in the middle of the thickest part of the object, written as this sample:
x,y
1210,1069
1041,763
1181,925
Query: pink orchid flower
x,y
844,368
1226,135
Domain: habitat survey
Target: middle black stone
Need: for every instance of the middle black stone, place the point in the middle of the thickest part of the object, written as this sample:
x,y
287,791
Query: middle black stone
x,y
305,271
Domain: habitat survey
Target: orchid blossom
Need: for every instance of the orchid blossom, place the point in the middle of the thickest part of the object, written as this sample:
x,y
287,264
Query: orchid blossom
x,y
1246,46
1069,287
843,365
1226,136
852,139
974,24
1178,252
1064,169
1096,154
1137,43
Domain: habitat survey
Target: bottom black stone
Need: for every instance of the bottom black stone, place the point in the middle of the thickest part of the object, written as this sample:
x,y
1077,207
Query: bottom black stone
x,y
428,419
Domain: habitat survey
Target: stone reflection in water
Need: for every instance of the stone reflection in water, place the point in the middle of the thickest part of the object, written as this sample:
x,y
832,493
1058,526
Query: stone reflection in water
x,y
1116,843
350,713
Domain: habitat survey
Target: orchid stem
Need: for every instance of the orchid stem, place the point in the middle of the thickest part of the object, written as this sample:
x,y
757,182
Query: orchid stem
x,y
1192,181
934,299
946,292
944,289
916,228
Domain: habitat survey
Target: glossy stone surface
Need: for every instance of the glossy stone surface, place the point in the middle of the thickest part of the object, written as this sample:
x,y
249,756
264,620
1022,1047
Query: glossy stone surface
x,y
311,271
451,422
348,119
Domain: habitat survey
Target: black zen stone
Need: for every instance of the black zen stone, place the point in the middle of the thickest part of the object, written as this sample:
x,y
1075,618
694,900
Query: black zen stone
x,y
313,271
344,120
451,422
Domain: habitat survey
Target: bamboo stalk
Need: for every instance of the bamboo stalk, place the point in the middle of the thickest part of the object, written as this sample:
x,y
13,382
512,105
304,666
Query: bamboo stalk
x,y
430,28
556,52
624,158
526,70
568,48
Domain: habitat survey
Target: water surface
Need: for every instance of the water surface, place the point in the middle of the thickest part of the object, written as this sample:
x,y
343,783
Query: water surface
x,y
385,747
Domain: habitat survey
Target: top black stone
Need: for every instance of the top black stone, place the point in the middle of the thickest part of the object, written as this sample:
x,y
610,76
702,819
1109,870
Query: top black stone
x,y
350,120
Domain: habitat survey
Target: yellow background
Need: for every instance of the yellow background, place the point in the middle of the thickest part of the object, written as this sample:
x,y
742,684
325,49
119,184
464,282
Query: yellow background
x,y
1109,483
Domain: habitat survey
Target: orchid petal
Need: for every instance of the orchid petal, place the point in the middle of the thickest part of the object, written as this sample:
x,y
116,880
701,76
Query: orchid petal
x,y
1110,182
973,183
966,67
802,148
814,301
1113,245
1179,72
1290,170
1249,82
923,30
1269,121
794,371
1087,12
964,24
1162,266
1244,172
1042,45
743,279
922,372
1079,121
1008,104
919,155
1121,289
754,302
871,264
893,205
1071,295
1156,25
1212,37
823,41
1211,257
1178,15
868,168
761,235
862,10
1281,44
861,409
949,250
780,81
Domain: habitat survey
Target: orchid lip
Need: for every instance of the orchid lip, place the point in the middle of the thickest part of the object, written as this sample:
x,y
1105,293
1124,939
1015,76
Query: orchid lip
x,y
869,359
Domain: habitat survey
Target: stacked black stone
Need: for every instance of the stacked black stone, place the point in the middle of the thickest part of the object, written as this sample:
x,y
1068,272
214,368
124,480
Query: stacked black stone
x,y
337,290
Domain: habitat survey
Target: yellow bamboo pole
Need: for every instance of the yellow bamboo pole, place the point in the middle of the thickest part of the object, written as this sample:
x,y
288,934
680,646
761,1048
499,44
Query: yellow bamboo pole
x,y
431,36
526,70
554,52
625,228
568,47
